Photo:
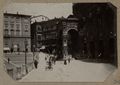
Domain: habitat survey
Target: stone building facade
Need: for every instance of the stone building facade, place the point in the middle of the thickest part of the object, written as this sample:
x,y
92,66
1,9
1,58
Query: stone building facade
x,y
44,34
53,35
17,32
68,37
87,34
97,30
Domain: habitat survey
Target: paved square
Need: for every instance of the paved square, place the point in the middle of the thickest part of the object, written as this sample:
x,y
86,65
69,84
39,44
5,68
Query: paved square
x,y
75,71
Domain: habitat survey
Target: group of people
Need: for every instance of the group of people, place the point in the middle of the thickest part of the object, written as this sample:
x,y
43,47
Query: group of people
x,y
67,59
50,60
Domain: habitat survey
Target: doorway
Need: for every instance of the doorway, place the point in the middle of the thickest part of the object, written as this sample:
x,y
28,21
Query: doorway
x,y
73,42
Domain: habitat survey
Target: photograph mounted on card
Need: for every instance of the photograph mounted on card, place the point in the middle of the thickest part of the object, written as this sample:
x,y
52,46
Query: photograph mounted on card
x,y
60,42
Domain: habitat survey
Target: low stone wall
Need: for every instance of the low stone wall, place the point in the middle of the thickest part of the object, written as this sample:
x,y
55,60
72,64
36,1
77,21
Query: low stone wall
x,y
17,72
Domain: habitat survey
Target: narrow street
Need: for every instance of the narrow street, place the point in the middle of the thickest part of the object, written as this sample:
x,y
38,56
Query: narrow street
x,y
75,71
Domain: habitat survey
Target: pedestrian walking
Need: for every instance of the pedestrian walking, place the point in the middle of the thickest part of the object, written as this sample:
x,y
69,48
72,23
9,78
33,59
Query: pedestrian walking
x,y
11,50
69,58
18,50
45,58
54,60
8,60
50,64
36,64
65,60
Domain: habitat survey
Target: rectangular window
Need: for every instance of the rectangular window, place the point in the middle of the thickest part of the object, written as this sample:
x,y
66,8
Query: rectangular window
x,y
6,17
12,25
39,37
17,29
26,28
6,43
39,44
17,26
42,37
17,17
12,32
6,31
39,29
6,22
44,29
17,20
6,25
17,32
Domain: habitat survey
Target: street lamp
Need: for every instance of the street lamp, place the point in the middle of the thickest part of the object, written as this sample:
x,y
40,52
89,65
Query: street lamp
x,y
26,55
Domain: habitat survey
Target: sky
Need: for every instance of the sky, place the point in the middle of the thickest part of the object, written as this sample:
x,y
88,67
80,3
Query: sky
x,y
50,10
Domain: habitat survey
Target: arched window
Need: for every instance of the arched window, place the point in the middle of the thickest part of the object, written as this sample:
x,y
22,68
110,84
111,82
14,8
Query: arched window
x,y
39,28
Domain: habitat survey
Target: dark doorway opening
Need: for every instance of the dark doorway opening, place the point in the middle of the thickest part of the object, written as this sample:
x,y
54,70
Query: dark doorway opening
x,y
112,51
73,42
92,49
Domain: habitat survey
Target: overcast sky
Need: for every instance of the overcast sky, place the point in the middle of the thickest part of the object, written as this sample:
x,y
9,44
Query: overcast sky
x,y
50,10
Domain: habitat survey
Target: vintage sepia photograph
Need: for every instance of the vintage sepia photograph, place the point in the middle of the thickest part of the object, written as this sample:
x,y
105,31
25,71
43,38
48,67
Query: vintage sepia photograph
x,y
60,42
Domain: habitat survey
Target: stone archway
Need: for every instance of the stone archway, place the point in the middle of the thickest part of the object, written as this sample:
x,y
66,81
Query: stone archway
x,y
73,42
70,41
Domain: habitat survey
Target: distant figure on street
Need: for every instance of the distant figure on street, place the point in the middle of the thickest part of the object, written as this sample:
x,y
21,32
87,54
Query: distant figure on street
x,y
11,50
54,56
46,57
37,57
36,63
54,60
18,50
69,58
65,60
8,60
49,63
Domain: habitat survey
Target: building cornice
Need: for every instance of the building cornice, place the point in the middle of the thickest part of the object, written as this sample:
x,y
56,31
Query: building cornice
x,y
20,15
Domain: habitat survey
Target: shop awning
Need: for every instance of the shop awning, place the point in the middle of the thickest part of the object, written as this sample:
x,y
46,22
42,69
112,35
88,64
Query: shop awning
x,y
6,49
